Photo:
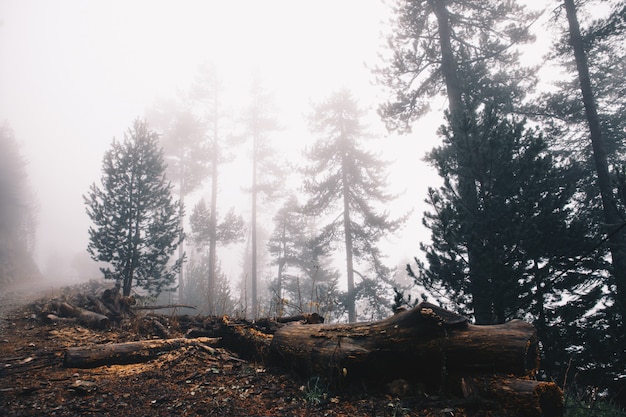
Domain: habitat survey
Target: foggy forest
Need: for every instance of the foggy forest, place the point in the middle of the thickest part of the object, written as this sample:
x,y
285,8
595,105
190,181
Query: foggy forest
x,y
345,162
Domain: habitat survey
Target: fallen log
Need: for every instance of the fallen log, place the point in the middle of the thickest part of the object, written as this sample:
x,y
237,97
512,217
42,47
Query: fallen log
x,y
85,317
161,307
426,344
99,306
128,352
522,397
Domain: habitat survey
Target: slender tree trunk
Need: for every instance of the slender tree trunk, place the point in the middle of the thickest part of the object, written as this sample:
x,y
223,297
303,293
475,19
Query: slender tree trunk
x,y
213,216
181,250
253,288
479,286
348,240
130,250
281,266
617,239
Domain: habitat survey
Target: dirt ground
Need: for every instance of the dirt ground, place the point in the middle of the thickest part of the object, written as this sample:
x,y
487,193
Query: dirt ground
x,y
190,381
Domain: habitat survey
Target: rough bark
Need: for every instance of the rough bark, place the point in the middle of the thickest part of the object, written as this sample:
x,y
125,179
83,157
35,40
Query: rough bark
x,y
426,343
466,180
85,317
129,352
615,233
524,397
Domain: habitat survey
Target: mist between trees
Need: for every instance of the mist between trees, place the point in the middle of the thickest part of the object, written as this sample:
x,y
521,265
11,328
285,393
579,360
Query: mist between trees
x,y
528,222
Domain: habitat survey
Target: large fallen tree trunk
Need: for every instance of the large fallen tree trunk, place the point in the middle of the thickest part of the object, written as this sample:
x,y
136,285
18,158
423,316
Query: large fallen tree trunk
x,y
426,347
128,352
431,347
426,343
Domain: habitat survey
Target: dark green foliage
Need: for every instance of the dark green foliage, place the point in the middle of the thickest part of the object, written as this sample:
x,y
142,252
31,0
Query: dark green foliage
x,y
136,222
523,224
480,35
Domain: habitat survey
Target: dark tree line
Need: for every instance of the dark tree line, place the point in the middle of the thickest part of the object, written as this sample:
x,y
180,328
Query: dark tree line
x,y
17,213
530,205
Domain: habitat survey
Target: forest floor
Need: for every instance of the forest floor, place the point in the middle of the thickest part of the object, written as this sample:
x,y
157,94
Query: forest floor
x,y
190,381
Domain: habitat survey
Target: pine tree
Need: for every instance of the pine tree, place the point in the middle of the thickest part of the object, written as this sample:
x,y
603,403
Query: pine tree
x,y
228,231
462,49
346,181
17,213
206,93
181,135
266,174
613,219
136,222
588,113
304,281
528,231
286,246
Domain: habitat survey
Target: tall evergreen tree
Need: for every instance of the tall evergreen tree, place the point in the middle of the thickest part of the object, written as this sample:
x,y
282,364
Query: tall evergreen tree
x,y
588,112
463,49
206,93
181,134
528,231
136,222
228,231
304,281
17,213
286,246
614,220
260,121
346,181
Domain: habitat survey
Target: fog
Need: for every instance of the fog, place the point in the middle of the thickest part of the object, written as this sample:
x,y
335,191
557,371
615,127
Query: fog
x,y
75,74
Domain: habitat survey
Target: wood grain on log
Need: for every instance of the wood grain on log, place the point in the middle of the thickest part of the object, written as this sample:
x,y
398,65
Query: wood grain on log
x,y
424,343
128,352
85,317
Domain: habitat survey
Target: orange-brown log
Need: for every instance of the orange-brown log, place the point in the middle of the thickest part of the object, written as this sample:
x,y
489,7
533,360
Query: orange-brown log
x,y
128,352
522,397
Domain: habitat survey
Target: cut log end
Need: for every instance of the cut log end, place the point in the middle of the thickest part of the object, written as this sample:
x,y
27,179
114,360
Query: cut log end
x,y
526,397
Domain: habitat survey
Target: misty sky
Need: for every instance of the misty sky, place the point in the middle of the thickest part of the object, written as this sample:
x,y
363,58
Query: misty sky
x,y
75,74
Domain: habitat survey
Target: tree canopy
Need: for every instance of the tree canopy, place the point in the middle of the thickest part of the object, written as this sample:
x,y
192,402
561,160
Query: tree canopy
x,y
347,182
136,221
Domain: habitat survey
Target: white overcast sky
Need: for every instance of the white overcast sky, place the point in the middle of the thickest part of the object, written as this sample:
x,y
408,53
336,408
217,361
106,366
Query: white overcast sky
x,y
74,74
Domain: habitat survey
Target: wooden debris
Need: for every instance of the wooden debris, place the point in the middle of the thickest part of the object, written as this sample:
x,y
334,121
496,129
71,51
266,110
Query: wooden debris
x,y
128,352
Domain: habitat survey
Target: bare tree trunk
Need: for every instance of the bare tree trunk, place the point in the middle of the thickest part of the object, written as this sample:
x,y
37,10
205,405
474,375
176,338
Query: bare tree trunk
x,y
348,243
181,250
617,239
212,278
467,190
253,288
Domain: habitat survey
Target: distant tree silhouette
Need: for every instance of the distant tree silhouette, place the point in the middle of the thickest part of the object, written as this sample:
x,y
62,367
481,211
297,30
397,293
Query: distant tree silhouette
x,y
182,136
304,281
266,175
346,182
17,213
